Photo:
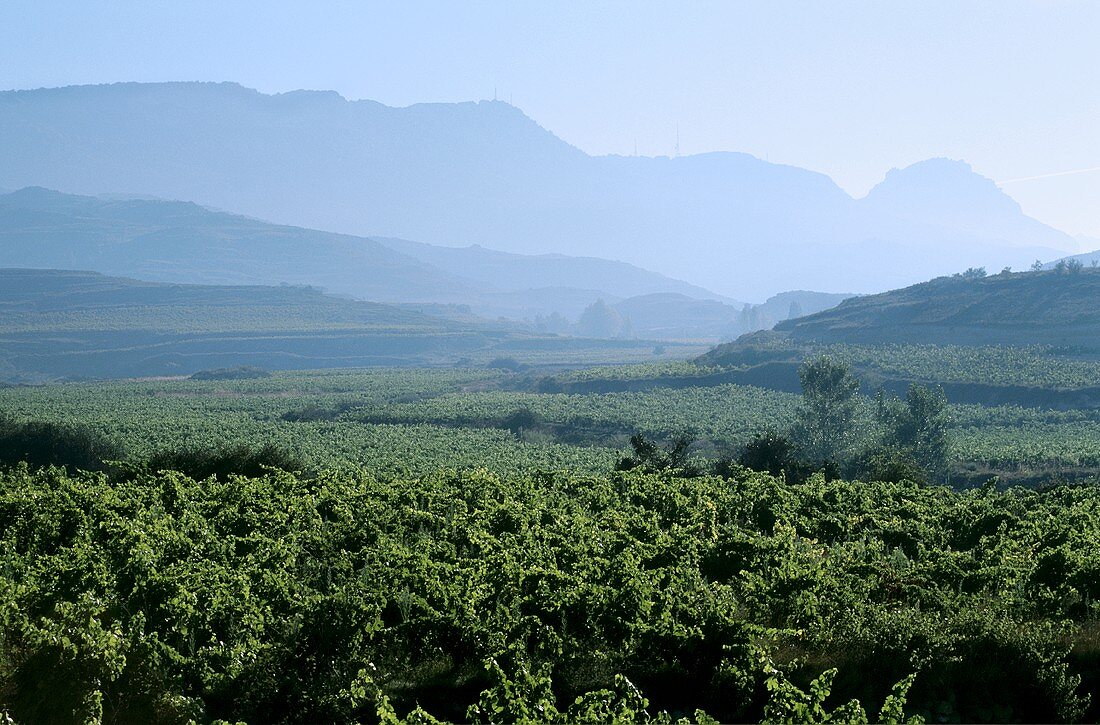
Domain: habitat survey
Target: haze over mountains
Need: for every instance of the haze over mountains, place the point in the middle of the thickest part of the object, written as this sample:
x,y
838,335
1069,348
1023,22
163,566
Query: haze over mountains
x,y
169,241
183,242
484,173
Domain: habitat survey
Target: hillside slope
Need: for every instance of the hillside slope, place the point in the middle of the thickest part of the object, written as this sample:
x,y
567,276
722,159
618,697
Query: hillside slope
x,y
61,300
505,271
1028,339
64,324
1032,308
484,173
182,242
1049,308
82,324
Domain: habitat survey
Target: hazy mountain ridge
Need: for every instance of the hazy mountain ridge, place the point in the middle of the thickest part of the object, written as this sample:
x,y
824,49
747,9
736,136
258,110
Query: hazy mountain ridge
x,y
497,270
183,242
950,195
485,173
1086,258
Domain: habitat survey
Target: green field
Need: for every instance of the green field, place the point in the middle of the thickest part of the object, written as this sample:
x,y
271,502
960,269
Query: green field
x,y
419,420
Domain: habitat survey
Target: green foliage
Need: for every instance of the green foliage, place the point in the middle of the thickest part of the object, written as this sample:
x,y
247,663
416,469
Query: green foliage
x,y
886,463
789,704
243,459
919,428
652,458
769,453
45,443
344,598
773,453
826,430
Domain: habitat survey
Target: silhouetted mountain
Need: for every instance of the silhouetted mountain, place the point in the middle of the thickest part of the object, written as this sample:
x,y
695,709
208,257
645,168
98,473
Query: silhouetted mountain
x,y
949,196
484,173
1087,259
183,242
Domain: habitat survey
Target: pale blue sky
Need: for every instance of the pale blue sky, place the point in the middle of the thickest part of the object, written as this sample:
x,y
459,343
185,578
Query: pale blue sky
x,y
847,88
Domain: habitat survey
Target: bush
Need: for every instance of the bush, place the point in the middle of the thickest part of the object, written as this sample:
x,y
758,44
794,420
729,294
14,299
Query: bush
x,y
652,458
890,465
505,363
522,420
243,460
40,443
768,453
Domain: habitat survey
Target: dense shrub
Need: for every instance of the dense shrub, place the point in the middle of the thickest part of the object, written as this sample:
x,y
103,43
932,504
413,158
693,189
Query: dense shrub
x,y
505,363
243,460
42,443
342,598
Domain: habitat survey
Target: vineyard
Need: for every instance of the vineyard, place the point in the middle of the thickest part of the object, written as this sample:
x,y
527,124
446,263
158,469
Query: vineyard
x,y
344,598
416,421
1040,367
1034,366
413,544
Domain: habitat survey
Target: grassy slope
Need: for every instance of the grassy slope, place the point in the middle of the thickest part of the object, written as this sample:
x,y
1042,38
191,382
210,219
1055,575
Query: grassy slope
x,y
1024,339
1045,308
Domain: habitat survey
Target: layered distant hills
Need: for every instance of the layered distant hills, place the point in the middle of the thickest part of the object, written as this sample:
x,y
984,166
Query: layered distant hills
x,y
484,173
56,323
182,242
179,242
59,324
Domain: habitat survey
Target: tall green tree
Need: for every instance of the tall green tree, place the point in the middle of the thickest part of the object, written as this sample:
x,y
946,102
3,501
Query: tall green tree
x,y
826,430
918,428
